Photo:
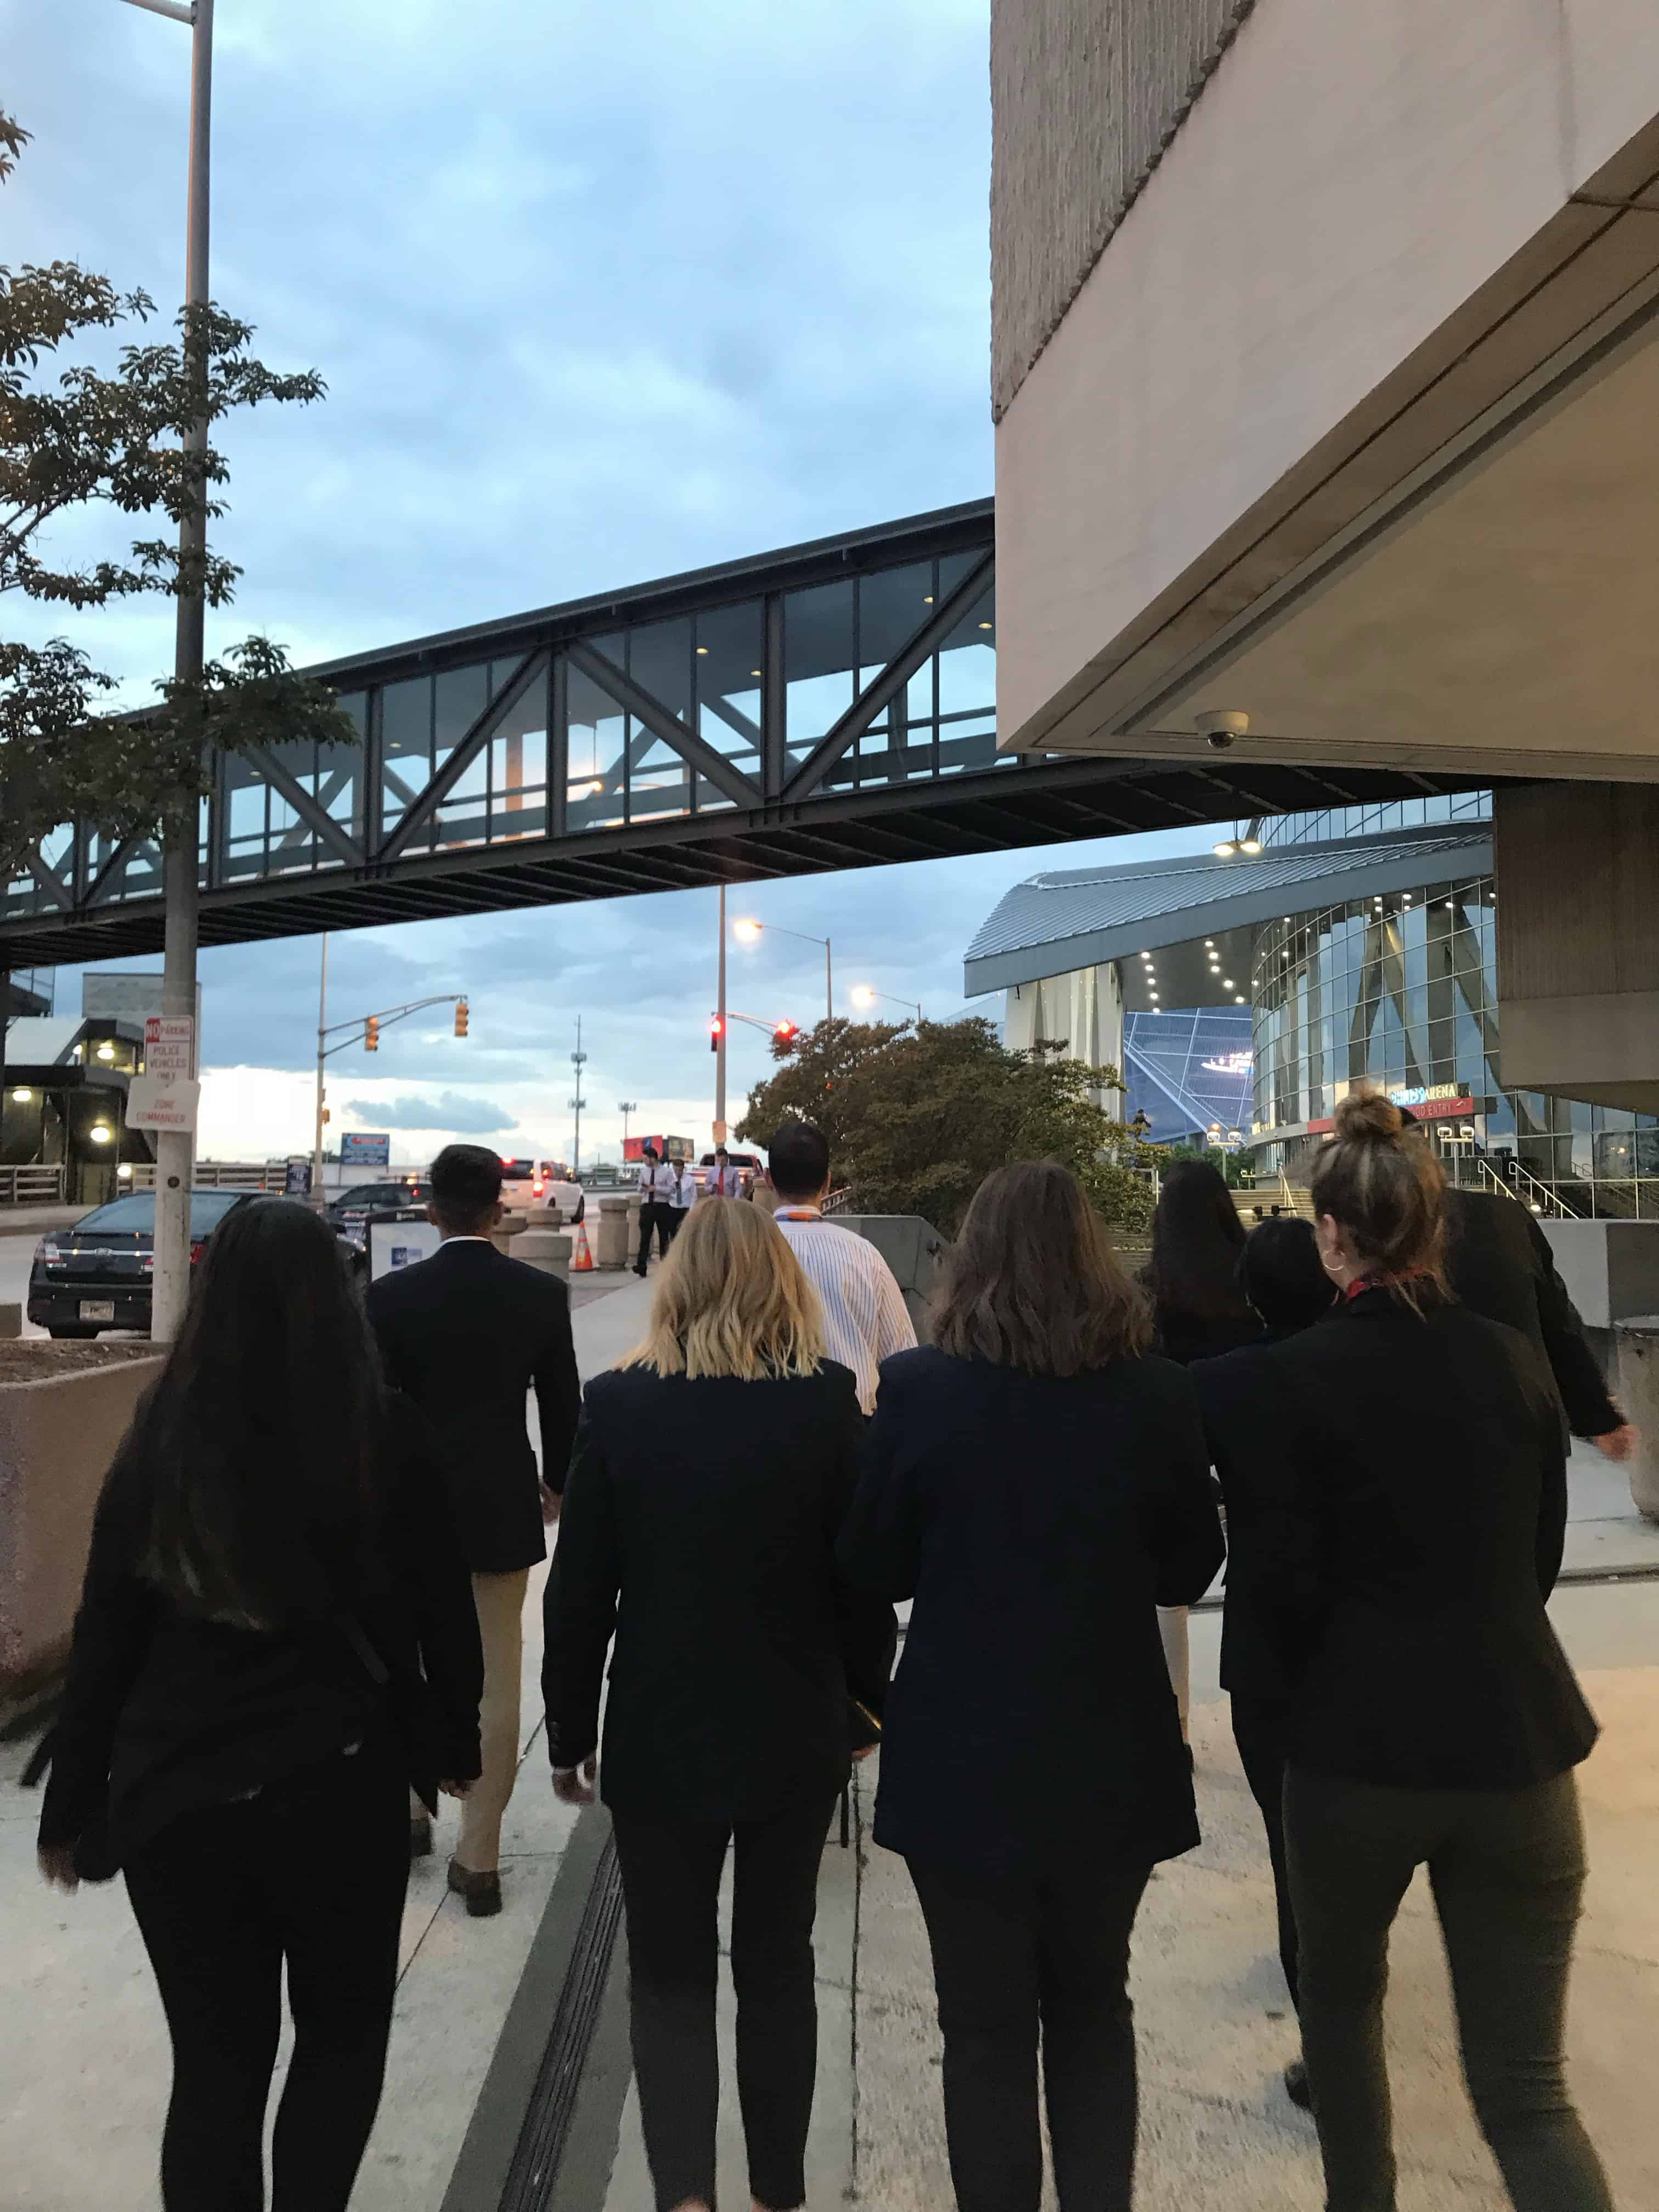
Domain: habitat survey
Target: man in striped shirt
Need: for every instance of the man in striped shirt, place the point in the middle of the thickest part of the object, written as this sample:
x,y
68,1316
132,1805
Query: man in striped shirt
x,y
865,1318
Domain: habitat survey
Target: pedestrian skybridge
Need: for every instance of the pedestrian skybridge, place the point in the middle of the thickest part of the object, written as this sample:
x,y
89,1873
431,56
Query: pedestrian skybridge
x,y
829,707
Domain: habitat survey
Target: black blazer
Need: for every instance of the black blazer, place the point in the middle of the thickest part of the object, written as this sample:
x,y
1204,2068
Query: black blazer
x,y
699,1525
466,1334
163,1714
1038,1522
1405,1565
1499,1263
1241,1396
1185,1337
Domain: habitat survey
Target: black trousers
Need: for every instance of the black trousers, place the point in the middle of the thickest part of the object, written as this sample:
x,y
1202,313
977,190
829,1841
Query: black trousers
x,y
652,1218
1508,1871
1261,1730
224,1897
671,1872
1011,1955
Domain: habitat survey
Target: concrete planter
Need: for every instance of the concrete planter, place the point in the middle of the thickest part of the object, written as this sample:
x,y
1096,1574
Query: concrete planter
x,y
1638,1338
57,1436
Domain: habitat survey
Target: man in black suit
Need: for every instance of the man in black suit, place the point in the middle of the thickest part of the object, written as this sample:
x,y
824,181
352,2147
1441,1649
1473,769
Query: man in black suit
x,y
1500,1264
466,1334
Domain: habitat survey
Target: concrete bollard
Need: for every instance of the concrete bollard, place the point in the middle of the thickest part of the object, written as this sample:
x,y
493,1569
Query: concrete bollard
x,y
510,1226
612,1248
1638,1338
546,1249
634,1205
11,1320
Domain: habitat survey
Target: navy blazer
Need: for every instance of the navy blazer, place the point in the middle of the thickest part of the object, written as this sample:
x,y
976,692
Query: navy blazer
x,y
1038,1521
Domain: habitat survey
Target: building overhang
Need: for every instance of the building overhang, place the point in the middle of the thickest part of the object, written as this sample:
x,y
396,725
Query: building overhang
x,y
1176,909
1349,429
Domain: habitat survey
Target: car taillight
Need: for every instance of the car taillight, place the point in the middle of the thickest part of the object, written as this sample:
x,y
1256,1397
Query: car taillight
x,y
149,1263
197,1246
47,1250
538,1188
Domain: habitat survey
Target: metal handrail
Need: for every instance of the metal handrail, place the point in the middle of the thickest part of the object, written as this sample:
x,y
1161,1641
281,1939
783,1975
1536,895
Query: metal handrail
x,y
34,1184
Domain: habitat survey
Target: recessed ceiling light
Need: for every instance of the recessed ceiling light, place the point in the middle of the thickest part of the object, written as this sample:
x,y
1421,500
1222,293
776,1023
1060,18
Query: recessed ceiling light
x,y
754,671
985,625
1238,1002
1226,982
703,651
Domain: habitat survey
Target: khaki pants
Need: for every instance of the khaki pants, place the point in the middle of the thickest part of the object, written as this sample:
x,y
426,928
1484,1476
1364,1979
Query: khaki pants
x,y
1172,1627
500,1601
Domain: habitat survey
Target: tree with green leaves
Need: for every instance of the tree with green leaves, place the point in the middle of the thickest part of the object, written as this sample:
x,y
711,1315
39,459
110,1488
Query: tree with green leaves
x,y
76,437
918,1114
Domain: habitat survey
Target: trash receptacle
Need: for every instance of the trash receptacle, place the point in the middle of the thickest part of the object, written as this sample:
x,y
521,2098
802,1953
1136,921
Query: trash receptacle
x,y
1638,1338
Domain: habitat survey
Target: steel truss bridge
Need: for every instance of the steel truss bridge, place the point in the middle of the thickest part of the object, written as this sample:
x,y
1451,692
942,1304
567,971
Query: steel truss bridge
x,y
829,707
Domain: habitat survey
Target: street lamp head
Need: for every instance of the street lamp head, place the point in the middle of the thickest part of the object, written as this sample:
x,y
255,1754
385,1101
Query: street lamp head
x,y
863,995
747,930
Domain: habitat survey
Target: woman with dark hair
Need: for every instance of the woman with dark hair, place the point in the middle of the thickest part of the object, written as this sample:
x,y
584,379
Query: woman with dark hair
x,y
1435,1719
1198,1239
1287,1288
275,1639
1037,1483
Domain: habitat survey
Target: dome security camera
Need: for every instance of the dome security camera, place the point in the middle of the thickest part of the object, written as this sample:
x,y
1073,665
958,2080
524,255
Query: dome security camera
x,y
1219,730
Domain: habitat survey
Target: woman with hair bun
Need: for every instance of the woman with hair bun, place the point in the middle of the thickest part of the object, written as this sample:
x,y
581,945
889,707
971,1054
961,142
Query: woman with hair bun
x,y
1435,1718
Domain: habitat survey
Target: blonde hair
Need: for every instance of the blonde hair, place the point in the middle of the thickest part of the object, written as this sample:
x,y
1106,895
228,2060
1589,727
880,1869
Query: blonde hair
x,y
1379,1180
732,1299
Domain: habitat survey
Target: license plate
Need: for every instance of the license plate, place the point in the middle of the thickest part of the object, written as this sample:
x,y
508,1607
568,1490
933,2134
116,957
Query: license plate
x,y
97,1309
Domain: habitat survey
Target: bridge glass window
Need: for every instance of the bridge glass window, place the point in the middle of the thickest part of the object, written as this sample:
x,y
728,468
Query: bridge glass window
x,y
516,760
967,691
659,657
596,797
818,662
405,747
728,658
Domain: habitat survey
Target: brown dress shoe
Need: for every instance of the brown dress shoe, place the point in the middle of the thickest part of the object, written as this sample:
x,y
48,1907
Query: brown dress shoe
x,y
483,1892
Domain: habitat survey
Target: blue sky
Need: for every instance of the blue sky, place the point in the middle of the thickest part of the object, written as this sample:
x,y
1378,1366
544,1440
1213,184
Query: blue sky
x,y
599,295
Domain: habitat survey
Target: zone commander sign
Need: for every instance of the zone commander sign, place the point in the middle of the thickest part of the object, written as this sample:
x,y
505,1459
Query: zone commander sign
x,y
152,1103
169,1048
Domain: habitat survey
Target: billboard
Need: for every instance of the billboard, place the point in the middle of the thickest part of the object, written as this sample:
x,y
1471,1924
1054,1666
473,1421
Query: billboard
x,y
360,1150
666,1148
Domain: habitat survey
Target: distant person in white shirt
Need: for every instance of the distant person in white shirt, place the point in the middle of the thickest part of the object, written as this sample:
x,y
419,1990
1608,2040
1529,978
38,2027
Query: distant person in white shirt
x,y
864,1317
682,1191
723,1180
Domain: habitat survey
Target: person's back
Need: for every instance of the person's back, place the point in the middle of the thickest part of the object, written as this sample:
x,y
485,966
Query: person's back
x,y
865,1320
1435,1720
711,1475
1429,1451
1498,1263
1192,1277
467,1333
275,1642
1038,1485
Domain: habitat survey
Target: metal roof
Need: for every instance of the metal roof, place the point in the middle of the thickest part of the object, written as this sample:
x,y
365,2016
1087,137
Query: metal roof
x,y
1073,918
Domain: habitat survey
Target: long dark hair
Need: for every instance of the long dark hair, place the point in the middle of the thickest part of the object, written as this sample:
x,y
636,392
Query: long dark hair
x,y
1197,1238
1033,1281
260,1439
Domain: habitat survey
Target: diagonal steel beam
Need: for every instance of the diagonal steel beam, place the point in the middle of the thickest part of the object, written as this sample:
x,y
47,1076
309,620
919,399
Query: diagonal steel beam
x,y
316,818
892,679
48,878
676,735
98,889
286,840
435,793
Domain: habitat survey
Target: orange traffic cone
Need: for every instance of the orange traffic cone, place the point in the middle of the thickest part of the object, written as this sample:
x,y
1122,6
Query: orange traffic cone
x,y
583,1263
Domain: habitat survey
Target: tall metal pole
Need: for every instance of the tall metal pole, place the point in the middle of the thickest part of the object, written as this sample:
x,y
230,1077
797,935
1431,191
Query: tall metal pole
x,y
579,1059
828,986
719,1041
317,1190
175,1150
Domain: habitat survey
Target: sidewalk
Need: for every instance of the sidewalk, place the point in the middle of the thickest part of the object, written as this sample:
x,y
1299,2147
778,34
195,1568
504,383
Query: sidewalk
x,y
84,2062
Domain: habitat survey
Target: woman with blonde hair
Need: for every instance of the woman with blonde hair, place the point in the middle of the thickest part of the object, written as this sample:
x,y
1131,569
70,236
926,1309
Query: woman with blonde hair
x,y
711,1475
1434,1718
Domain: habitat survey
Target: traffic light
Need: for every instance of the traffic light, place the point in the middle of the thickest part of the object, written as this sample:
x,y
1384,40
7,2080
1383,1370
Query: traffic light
x,y
786,1030
460,1016
371,1034
716,1031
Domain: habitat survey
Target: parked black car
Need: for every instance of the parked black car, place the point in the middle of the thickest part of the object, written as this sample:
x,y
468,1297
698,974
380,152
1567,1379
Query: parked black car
x,y
392,1194
97,1274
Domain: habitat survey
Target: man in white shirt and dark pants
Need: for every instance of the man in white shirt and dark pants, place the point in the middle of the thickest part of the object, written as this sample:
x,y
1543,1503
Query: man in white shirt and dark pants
x,y
722,1179
656,1187
864,1317
681,1193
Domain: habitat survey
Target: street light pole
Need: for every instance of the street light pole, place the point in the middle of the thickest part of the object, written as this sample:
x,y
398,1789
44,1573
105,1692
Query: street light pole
x,y
578,1060
322,1032
175,1149
625,1107
720,1035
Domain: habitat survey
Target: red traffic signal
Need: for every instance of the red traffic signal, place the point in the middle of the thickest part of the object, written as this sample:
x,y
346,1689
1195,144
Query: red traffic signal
x,y
716,1031
786,1030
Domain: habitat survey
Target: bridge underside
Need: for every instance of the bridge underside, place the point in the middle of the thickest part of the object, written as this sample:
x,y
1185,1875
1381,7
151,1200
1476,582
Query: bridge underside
x,y
830,706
